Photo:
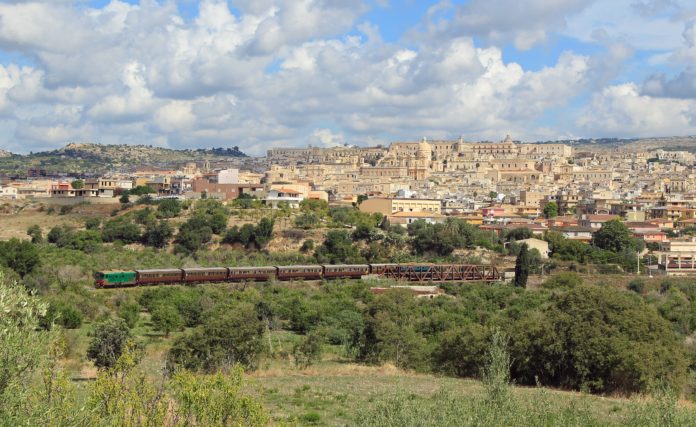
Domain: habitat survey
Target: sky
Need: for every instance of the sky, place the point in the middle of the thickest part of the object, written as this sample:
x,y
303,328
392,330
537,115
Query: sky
x,y
277,73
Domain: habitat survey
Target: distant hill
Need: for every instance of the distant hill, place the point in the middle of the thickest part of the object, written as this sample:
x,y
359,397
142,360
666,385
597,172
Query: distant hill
x,y
98,158
670,143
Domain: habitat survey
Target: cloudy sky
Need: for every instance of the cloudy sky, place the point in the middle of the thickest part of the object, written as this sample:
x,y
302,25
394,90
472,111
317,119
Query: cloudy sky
x,y
264,73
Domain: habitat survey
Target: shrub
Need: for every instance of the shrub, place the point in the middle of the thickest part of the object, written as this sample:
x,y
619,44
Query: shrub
x,y
109,339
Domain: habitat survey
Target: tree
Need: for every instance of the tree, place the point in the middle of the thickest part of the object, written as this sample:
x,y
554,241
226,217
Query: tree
x,y
157,234
166,318
308,351
614,236
124,198
522,266
307,246
337,248
169,208
129,311
35,233
599,339
77,184
93,223
263,232
551,210
19,255
122,229
22,342
361,198
109,339
307,221
230,334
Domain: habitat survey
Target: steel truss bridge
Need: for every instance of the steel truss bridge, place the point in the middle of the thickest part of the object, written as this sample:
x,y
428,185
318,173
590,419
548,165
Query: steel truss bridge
x,y
441,273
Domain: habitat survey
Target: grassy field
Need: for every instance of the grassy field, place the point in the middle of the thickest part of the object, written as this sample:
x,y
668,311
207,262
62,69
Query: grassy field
x,y
335,391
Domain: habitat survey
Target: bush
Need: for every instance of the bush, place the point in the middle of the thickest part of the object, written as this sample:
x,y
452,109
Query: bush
x,y
169,208
109,339
120,229
307,352
596,339
19,255
229,335
307,246
563,280
129,311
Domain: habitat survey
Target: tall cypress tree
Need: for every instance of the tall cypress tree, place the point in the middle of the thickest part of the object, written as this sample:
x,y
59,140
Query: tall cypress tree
x,y
522,266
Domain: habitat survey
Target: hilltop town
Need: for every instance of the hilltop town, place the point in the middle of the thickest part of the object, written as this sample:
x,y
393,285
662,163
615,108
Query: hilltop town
x,y
569,188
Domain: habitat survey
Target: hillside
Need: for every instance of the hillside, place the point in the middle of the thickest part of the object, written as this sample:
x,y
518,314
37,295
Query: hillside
x,y
670,143
4,153
98,158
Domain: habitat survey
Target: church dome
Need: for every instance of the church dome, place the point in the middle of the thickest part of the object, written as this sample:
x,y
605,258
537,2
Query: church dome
x,y
424,150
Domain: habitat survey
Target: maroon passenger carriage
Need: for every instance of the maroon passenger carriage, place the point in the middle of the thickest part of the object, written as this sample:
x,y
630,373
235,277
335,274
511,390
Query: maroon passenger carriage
x,y
262,274
307,272
159,276
355,271
205,274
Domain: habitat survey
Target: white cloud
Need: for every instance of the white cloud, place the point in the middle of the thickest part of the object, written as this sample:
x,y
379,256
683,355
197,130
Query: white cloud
x,y
308,71
621,110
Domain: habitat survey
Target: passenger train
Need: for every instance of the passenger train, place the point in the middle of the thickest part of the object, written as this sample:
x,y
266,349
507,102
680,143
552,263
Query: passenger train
x,y
117,278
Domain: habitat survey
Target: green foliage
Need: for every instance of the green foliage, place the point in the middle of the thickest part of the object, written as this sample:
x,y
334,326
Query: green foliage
x,y
141,190
551,210
343,216
522,266
22,344
125,198
596,339
35,233
637,286
121,229
442,239
166,318
462,352
129,311
228,335
307,221
246,201
61,313
157,234
19,255
249,235
390,333
93,223
193,234
563,280
614,236
82,240
320,208
307,246
337,248
308,351
217,399
109,340
77,184
366,232
518,233
168,208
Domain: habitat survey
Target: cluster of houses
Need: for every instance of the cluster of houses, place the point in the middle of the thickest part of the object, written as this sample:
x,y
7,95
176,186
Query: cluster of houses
x,y
496,185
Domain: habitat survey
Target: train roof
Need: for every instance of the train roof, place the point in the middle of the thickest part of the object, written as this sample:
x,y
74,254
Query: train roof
x,y
300,266
205,269
346,265
115,271
159,270
260,267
